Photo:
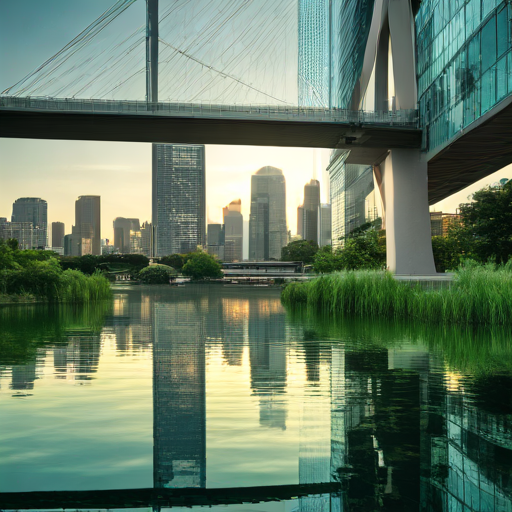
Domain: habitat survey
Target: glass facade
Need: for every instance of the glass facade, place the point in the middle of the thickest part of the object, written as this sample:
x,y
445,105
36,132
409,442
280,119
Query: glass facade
x,y
464,63
314,61
179,198
330,56
34,210
352,196
267,222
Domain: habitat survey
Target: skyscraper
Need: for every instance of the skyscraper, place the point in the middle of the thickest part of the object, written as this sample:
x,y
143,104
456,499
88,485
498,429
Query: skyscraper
x,y
88,221
122,228
307,214
324,225
233,231
267,223
34,210
58,232
179,198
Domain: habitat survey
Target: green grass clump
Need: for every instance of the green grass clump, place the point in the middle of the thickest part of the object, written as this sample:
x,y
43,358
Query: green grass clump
x,y
479,294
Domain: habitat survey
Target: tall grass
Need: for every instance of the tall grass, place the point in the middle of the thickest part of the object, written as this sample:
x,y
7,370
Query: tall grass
x,y
50,284
480,294
77,287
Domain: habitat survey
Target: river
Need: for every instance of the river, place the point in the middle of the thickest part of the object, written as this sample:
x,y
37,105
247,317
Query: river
x,y
218,387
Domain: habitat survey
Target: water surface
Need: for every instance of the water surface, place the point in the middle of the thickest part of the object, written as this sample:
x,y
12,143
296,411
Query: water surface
x,y
218,387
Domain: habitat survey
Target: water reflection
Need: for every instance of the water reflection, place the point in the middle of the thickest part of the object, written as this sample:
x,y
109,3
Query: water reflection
x,y
400,417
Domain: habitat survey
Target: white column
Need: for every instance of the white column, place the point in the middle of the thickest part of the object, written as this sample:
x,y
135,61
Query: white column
x,y
408,237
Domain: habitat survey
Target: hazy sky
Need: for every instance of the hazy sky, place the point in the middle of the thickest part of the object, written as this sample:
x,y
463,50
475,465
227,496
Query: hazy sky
x,y
59,171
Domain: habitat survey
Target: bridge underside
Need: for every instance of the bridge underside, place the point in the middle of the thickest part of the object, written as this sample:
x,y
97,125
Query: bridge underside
x,y
201,130
483,149
476,153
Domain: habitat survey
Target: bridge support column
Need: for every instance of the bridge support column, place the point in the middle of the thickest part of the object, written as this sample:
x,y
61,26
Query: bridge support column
x,y
408,236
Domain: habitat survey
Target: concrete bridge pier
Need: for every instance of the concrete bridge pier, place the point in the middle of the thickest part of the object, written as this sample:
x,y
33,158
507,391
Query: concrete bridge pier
x,y
404,187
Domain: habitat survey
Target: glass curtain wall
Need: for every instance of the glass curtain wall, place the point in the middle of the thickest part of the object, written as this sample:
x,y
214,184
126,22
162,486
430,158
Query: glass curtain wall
x,y
464,63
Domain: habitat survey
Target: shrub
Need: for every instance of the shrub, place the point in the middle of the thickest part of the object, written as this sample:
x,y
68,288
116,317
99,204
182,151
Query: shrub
x,y
201,265
156,274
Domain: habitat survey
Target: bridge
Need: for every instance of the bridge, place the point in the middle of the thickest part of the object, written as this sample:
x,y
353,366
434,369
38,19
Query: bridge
x,y
297,73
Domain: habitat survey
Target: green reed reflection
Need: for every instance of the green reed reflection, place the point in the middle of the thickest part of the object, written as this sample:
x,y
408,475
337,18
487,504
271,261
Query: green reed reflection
x,y
24,329
471,349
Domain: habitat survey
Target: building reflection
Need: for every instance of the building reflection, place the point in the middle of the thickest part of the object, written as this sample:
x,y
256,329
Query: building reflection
x,y
267,356
179,403
394,427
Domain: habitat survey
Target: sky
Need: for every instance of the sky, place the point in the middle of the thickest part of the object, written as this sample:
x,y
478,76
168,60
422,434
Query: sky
x,y
59,171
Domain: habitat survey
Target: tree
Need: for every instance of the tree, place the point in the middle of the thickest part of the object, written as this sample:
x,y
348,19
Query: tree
x,y
156,274
326,261
201,265
363,252
173,260
300,250
487,223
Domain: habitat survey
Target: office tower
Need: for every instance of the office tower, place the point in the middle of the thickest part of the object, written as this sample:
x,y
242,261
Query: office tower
x,y
23,232
88,222
353,198
34,210
146,233
233,231
122,228
58,234
267,223
216,240
179,198
324,225
307,214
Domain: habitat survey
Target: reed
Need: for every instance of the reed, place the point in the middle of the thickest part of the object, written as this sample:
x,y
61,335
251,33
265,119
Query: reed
x,y
479,294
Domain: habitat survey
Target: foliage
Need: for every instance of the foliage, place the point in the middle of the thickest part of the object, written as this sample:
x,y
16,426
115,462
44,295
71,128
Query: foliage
x,y
88,264
38,274
488,222
201,265
446,253
326,261
157,274
174,260
300,250
364,250
480,294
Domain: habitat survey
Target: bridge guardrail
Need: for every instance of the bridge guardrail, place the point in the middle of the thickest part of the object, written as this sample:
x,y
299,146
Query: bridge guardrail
x,y
399,118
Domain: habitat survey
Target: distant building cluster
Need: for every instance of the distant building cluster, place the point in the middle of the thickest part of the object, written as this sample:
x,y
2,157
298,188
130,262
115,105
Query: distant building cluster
x,y
314,217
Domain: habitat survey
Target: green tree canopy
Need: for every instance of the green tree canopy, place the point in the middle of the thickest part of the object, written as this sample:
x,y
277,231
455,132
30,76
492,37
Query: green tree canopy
x,y
173,260
157,274
201,265
300,250
488,223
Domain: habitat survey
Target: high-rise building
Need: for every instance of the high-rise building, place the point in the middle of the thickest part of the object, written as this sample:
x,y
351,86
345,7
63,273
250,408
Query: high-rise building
x,y
179,198
267,223
146,233
307,214
216,240
233,231
58,232
88,222
21,231
34,210
324,225
122,228
353,199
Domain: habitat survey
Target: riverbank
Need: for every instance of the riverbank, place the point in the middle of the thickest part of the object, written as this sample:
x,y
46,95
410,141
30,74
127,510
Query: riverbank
x,y
479,294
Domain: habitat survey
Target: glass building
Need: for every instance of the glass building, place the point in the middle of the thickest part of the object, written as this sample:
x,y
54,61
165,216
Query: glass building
x,y
88,224
353,199
179,198
464,63
34,210
267,223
